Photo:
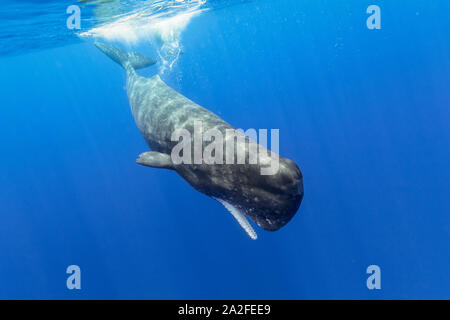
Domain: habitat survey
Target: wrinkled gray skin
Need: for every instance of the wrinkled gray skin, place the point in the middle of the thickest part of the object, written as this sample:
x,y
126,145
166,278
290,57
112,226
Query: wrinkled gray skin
x,y
158,110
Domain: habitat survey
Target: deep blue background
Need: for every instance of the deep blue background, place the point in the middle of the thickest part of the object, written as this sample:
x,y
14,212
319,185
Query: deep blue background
x,y
364,113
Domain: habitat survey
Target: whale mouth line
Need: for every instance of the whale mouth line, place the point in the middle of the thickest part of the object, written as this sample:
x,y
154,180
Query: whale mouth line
x,y
240,217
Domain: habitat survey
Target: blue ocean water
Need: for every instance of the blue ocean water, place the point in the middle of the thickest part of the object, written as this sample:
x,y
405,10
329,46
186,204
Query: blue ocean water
x,y
364,113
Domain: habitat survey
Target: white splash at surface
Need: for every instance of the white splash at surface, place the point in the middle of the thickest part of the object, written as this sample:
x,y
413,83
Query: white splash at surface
x,y
158,22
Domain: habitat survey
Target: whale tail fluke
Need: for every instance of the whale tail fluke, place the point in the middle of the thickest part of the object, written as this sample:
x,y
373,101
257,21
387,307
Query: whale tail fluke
x,y
127,60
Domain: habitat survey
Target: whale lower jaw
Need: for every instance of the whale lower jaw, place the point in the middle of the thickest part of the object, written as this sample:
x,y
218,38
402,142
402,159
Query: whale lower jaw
x,y
240,218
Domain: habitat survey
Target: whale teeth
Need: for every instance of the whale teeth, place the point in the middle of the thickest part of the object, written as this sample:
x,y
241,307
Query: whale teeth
x,y
240,218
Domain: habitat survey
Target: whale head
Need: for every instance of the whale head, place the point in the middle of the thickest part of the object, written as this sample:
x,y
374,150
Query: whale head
x,y
273,200
269,200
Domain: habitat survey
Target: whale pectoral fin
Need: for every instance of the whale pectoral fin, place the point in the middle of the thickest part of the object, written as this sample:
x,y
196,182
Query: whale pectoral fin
x,y
241,219
155,160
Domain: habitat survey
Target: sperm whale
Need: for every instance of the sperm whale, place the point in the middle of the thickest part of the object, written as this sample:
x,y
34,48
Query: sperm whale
x,y
269,200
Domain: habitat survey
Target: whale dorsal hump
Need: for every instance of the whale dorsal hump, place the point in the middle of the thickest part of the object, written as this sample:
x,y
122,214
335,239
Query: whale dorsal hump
x,y
155,160
240,218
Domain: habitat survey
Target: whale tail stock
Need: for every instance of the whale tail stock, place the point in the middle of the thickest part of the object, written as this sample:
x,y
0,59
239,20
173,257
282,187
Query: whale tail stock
x,y
128,60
